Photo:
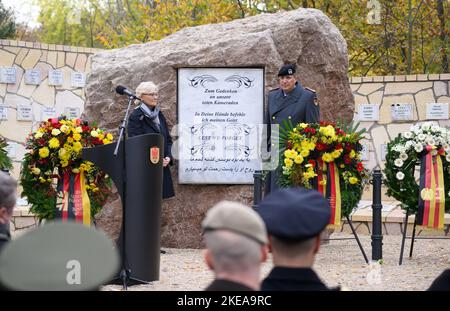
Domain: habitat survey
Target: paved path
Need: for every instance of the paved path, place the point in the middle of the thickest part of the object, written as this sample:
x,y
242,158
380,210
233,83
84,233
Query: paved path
x,y
338,263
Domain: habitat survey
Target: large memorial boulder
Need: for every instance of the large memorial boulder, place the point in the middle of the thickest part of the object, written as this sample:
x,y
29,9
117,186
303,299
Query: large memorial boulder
x,y
306,37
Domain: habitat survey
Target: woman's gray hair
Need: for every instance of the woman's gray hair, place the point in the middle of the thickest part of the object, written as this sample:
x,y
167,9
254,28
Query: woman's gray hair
x,y
8,189
146,88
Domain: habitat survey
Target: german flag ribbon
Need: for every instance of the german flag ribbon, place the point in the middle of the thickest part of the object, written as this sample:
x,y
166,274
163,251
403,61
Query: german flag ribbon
x,y
76,205
322,177
334,194
431,192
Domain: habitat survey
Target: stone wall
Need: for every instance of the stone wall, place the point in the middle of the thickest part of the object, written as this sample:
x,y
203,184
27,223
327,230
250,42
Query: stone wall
x,y
418,90
32,55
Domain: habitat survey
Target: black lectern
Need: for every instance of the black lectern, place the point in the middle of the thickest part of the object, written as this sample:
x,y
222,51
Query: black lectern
x,y
142,180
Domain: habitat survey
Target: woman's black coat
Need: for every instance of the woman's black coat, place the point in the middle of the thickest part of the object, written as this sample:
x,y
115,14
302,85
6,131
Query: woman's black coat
x,y
139,124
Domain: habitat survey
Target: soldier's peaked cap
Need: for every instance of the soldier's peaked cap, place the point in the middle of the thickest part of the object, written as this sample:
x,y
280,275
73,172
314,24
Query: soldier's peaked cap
x,y
295,213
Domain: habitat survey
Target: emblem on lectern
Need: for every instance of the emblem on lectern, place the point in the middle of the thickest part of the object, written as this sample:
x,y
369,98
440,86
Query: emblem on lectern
x,y
154,155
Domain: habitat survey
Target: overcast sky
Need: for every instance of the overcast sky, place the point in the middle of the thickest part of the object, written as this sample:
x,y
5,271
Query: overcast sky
x,y
24,11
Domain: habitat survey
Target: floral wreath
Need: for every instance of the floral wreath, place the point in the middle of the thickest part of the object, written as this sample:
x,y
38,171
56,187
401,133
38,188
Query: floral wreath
x,y
5,161
414,147
324,156
54,151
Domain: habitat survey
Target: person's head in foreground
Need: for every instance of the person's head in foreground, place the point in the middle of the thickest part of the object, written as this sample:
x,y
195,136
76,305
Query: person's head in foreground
x,y
236,239
295,218
8,188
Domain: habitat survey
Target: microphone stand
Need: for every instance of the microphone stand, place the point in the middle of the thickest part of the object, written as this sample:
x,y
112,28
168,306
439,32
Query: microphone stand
x,y
125,272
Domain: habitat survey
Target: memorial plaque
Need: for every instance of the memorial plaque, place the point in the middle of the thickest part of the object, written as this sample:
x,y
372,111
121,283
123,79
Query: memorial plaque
x,y
365,152
383,149
437,111
220,112
3,113
48,113
402,112
72,112
11,149
32,76
368,112
55,77
8,75
24,112
78,79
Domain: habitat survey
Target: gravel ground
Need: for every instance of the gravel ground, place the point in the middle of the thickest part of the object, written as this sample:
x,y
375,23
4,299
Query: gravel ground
x,y
338,263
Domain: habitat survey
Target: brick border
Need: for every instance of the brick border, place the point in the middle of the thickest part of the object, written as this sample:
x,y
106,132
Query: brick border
x,y
400,78
50,47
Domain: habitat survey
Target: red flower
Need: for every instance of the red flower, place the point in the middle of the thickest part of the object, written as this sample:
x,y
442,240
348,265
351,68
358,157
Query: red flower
x,y
347,159
86,128
321,146
312,162
359,167
289,145
339,146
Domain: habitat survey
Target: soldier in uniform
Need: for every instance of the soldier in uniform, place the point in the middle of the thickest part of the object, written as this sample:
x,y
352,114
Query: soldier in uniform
x,y
236,239
290,102
295,218
8,188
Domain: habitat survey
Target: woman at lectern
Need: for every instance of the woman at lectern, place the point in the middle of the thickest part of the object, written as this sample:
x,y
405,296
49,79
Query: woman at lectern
x,y
147,118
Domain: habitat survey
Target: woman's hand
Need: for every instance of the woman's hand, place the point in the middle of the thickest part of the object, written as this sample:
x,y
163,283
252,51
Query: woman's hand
x,y
166,161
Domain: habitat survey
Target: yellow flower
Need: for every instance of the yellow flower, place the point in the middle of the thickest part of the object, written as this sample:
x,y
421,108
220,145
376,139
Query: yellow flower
x,y
94,133
309,174
44,152
79,129
298,159
75,170
53,143
336,153
304,153
311,146
288,162
327,157
64,163
76,136
342,166
64,128
38,135
56,132
42,180
63,154
77,146
109,136
36,170
352,154
303,125
353,180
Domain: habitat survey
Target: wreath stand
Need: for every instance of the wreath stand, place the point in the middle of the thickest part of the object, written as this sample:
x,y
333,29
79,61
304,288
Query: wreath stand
x,y
413,237
257,197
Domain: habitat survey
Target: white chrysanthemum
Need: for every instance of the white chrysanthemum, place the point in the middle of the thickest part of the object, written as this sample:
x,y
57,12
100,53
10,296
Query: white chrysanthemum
x,y
398,162
430,141
403,156
418,147
407,135
435,128
421,137
409,144
400,175
448,157
426,126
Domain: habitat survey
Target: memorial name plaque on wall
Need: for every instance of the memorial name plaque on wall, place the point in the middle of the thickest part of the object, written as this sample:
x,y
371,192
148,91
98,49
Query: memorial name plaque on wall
x,y
78,79
8,75
437,111
24,112
48,113
72,112
220,116
11,149
32,76
368,112
365,152
383,150
3,113
401,112
55,77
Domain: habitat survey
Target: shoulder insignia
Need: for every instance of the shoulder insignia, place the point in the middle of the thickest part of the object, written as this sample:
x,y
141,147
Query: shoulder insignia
x,y
309,89
316,101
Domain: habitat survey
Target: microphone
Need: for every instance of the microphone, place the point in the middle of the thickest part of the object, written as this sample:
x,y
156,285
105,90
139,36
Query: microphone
x,y
124,91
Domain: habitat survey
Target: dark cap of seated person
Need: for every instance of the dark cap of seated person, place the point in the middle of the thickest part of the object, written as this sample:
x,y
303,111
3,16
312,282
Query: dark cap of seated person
x,y
295,214
287,70
237,218
59,257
